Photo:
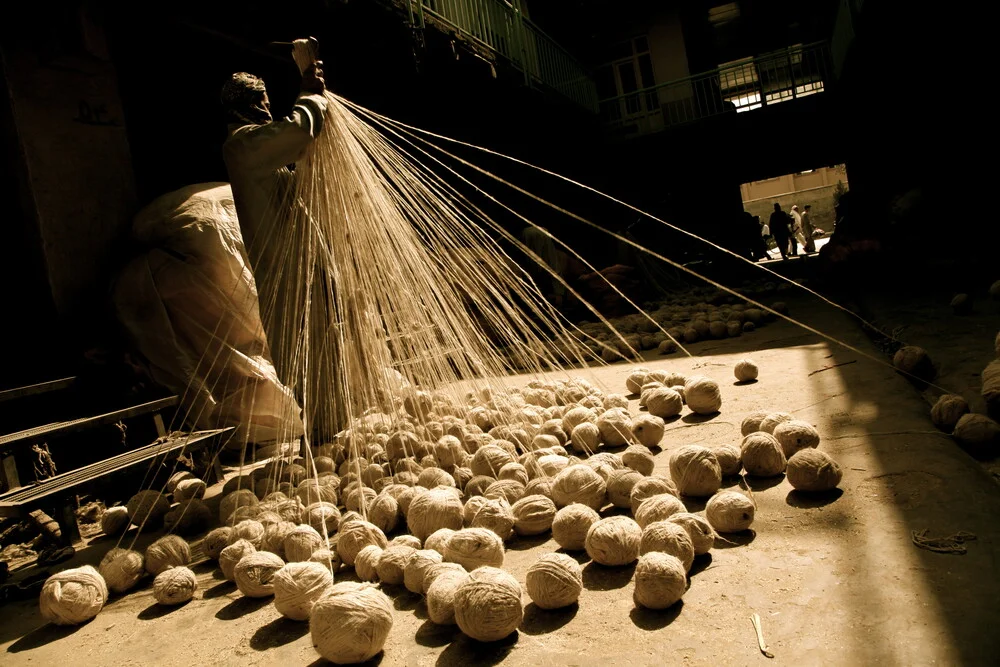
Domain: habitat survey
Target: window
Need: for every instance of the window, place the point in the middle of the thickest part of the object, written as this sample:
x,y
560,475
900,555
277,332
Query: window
x,y
723,14
629,73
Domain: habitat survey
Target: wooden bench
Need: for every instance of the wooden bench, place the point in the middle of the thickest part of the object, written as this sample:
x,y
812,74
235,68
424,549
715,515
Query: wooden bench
x,y
57,495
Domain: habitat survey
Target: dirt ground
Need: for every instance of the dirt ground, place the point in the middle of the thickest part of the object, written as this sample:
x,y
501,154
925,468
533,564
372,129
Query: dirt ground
x,y
835,579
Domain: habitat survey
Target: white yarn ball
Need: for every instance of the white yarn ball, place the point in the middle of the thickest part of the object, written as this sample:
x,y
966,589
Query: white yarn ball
x,y
274,537
751,423
441,596
489,460
663,402
614,541
669,538
514,471
474,547
392,563
232,555
175,585
576,416
488,605
615,426
384,512
73,596
508,489
350,623
635,380
354,536
648,487
579,484
190,488
745,370
115,520
328,558
300,543
771,421
658,508
168,551
472,505
571,524
554,581
551,465
648,429
495,515
366,562
729,512
660,581
406,541
695,471
702,395
762,456
438,569
250,530
416,567
438,540
729,458
298,586
324,517
533,515
216,540
585,437
813,470
254,572
433,510
433,477
698,529
795,435
122,569
620,485
234,500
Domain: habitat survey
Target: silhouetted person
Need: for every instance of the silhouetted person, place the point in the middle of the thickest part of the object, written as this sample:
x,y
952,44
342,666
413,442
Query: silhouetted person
x,y
795,237
763,234
779,229
808,230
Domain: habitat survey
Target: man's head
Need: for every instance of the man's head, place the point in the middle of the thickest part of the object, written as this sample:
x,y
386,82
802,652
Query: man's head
x,y
795,207
777,206
807,207
244,100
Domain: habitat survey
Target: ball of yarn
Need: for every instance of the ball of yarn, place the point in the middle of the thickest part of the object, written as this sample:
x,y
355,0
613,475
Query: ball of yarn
x,y
660,581
328,558
168,551
585,437
620,484
751,423
73,596
433,477
635,380
254,572
948,409
813,470
474,547
729,512
551,465
250,530
115,520
761,455
354,536
576,416
174,586
614,541
298,586
416,568
554,581
323,517
698,529
122,569
508,489
244,482
771,421
392,563
914,361
147,508
670,538
745,370
978,433
488,605
357,497
433,510
488,460
579,484
311,491
533,515
384,512
232,555
695,471
638,457
702,395
495,515
472,505
663,402
794,435
540,486
274,537
438,540
729,458
406,541
441,596
477,485
571,524
350,623
615,426
216,540
189,517
658,508
290,510
647,487
190,488
366,562
300,543
515,472
177,478
234,500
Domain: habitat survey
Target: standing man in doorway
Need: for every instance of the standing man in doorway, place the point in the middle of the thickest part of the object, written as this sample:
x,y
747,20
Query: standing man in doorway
x,y
779,229
807,230
795,237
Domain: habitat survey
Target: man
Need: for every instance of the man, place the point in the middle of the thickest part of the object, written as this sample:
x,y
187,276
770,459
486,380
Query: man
x,y
258,152
795,236
763,237
779,229
807,230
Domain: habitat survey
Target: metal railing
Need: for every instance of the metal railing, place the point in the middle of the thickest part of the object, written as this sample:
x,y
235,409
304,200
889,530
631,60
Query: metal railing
x,y
502,28
746,85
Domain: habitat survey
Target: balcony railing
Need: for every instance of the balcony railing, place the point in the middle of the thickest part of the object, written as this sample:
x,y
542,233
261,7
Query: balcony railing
x,y
736,87
502,28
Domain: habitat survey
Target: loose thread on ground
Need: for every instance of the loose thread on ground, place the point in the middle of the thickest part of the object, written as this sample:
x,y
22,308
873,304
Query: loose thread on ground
x,y
952,544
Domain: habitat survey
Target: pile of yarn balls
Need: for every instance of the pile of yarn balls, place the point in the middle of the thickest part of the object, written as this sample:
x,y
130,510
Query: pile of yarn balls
x,y
453,491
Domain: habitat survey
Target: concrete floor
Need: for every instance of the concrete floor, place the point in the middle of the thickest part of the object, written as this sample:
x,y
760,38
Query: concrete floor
x,y
836,580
